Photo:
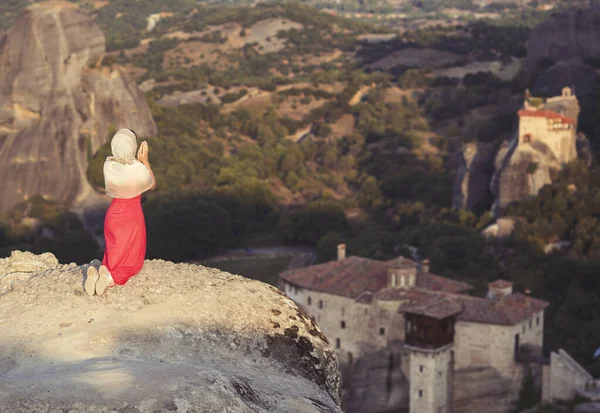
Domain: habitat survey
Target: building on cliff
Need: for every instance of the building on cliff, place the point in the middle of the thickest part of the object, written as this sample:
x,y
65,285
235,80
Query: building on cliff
x,y
438,330
545,142
552,121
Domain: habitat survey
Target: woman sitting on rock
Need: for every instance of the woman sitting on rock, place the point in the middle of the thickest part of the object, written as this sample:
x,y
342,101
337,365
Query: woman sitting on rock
x,y
125,179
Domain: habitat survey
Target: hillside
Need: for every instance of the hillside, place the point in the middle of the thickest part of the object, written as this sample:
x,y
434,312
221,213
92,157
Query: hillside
x,y
280,123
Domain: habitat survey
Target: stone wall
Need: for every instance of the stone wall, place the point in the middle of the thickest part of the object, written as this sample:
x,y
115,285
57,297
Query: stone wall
x,y
481,389
352,328
563,377
377,382
487,345
479,344
429,380
561,142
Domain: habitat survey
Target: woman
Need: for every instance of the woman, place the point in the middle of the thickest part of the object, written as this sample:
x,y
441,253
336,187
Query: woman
x,y
125,179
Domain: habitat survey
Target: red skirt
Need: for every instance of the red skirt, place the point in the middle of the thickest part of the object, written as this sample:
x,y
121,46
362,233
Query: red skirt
x,y
125,238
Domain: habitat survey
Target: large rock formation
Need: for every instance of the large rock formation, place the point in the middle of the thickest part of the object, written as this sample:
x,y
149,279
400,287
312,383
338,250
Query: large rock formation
x,y
522,173
473,176
482,389
177,337
57,104
564,36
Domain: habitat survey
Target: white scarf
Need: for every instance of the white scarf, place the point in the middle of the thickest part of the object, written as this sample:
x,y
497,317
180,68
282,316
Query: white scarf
x,y
124,176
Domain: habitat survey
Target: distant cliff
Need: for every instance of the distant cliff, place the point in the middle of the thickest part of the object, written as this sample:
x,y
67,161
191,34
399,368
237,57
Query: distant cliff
x,y
57,104
569,35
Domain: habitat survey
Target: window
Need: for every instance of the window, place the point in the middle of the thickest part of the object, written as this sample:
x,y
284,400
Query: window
x,y
343,323
537,321
421,393
530,324
393,279
338,343
309,301
421,369
320,303
382,331
440,374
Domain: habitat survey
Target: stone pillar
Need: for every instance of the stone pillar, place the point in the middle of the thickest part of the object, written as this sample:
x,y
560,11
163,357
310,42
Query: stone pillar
x,y
431,380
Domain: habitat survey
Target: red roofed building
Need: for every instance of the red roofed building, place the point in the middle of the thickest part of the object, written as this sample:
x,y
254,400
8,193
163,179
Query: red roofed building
x,y
551,122
364,305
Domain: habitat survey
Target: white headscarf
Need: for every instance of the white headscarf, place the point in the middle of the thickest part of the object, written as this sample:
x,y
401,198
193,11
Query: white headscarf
x,y
124,176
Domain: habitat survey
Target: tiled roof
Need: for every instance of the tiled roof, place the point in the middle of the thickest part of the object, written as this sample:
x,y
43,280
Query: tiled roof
x,y
431,305
548,114
434,282
433,296
352,276
510,310
348,277
500,284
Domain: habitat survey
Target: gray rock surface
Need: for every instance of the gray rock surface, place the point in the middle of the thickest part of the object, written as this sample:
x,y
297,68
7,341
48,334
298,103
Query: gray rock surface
x,y
522,173
482,389
376,382
57,103
564,36
474,173
587,408
177,337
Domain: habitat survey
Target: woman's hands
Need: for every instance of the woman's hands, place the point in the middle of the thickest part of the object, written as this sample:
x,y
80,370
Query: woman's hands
x,y
142,154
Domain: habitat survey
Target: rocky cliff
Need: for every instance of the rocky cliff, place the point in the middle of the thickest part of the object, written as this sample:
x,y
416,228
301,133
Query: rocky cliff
x,y
564,36
57,103
473,176
177,337
376,382
558,53
522,173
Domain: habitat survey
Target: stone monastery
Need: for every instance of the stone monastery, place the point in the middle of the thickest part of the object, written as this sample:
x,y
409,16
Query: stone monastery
x,y
552,121
364,305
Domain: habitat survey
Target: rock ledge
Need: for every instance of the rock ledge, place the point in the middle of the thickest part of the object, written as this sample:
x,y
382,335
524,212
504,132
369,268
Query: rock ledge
x,y
177,337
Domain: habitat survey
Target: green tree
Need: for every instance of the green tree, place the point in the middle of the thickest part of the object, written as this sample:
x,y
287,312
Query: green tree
x,y
370,194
